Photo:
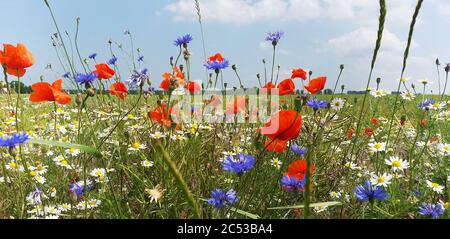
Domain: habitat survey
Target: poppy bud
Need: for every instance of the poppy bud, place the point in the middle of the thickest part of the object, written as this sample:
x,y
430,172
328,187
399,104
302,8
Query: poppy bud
x,y
342,87
233,67
90,92
110,41
12,151
437,61
171,60
402,120
78,99
181,68
217,71
447,68
225,85
298,103
342,66
423,123
378,80
264,61
413,86
258,76
310,73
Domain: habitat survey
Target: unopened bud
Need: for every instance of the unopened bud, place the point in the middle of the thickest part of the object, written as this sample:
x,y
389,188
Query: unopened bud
x,y
78,99
342,66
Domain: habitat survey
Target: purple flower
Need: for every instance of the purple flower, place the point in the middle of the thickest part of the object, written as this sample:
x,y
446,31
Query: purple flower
x,y
431,210
220,199
112,61
14,140
274,37
93,56
297,149
316,104
85,78
137,78
217,65
426,105
141,58
242,164
292,183
183,40
366,193
78,187
66,75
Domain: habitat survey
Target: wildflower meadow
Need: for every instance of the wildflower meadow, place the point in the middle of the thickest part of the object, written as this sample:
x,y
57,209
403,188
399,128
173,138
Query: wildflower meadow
x,y
104,141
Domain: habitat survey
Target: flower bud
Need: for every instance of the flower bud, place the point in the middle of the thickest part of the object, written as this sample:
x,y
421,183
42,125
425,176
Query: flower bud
x,y
342,66
78,99
12,151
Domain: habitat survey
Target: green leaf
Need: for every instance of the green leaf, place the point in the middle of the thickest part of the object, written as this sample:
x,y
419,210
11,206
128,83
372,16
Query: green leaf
x,y
319,204
244,213
83,148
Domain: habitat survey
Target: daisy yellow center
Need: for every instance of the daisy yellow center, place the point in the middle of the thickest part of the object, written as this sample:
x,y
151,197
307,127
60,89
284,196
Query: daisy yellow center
x,y
337,103
136,145
377,146
98,173
381,180
72,150
447,148
13,165
396,164
434,185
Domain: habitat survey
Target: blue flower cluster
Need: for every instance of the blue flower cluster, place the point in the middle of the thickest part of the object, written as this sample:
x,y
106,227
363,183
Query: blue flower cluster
x,y
112,61
298,150
93,56
220,198
217,65
14,140
316,104
426,105
79,188
87,78
366,193
274,37
183,40
242,164
137,78
431,210
292,183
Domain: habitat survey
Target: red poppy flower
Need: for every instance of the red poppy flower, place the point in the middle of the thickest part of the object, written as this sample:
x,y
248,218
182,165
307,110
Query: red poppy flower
x,y
236,106
286,87
297,169
104,71
216,57
277,146
16,58
43,91
119,89
161,114
299,73
283,125
269,86
193,87
374,121
316,85
368,131
350,133
178,77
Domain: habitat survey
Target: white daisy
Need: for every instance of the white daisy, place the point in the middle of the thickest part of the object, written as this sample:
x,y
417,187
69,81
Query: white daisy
x,y
397,164
275,162
337,104
381,180
377,147
137,146
407,95
147,163
435,187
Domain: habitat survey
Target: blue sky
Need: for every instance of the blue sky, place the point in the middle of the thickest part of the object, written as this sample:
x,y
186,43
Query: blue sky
x,y
319,35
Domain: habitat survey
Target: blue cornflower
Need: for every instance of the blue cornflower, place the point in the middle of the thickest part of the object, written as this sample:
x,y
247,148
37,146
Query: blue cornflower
x,y
297,149
85,78
183,40
274,37
367,193
112,61
426,105
316,104
93,56
431,210
217,65
66,75
78,188
137,78
140,58
14,140
220,198
242,164
292,183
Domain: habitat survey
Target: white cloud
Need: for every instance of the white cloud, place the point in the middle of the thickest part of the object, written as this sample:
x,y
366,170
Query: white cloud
x,y
249,11
361,41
